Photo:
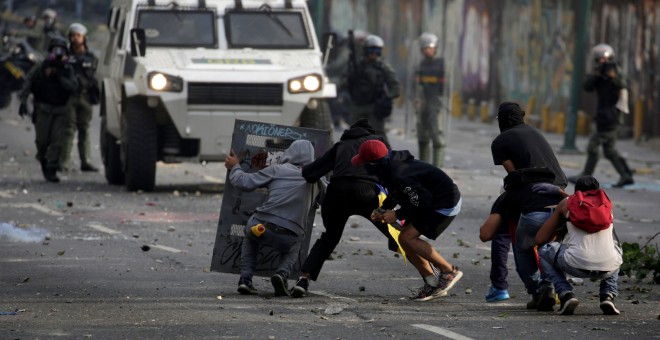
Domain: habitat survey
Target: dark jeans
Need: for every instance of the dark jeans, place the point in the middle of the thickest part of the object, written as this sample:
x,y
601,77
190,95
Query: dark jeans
x,y
343,199
499,254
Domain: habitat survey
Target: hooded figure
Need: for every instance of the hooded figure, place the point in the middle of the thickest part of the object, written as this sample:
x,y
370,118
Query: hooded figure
x,y
280,221
509,115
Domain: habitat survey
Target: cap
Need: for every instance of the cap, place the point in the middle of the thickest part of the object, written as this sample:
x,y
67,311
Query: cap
x,y
369,151
77,28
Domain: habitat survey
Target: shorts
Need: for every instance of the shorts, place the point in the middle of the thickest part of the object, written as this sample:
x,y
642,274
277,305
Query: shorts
x,y
431,225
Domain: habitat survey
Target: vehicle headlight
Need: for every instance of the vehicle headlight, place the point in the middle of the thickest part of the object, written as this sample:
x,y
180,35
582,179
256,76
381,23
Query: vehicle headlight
x,y
164,82
308,83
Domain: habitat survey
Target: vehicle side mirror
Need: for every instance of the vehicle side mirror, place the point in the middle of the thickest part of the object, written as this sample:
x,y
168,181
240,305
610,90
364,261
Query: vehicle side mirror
x,y
329,41
138,42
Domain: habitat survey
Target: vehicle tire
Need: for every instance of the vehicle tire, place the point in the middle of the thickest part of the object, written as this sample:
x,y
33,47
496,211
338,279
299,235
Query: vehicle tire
x,y
139,148
111,155
318,118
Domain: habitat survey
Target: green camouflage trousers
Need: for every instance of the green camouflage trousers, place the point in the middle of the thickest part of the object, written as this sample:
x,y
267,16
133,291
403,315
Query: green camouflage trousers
x,y
80,115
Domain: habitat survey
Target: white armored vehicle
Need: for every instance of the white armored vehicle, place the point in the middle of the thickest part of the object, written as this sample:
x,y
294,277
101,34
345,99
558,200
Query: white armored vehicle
x,y
176,74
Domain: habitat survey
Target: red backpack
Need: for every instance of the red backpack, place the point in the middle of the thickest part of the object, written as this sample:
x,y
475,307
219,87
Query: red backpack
x,y
590,210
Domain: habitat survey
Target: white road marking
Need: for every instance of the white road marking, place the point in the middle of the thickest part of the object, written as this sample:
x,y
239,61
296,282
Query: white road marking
x,y
441,331
33,206
103,229
7,193
166,248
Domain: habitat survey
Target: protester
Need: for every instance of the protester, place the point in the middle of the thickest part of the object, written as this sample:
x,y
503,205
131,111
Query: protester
x,y
52,83
429,201
80,106
280,221
372,84
587,251
352,191
430,80
521,146
608,82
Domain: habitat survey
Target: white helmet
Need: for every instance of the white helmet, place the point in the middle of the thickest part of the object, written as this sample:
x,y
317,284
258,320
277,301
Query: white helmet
x,y
374,41
428,40
602,51
78,28
49,13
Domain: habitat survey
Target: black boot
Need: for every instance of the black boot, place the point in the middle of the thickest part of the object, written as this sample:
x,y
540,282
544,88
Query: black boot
x,y
50,174
88,167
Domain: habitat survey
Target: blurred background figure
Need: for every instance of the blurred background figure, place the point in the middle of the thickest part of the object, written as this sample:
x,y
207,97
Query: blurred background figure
x,y
337,61
430,80
50,29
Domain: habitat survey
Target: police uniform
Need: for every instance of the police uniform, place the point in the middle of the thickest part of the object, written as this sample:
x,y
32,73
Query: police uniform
x,y
430,78
51,83
365,83
80,109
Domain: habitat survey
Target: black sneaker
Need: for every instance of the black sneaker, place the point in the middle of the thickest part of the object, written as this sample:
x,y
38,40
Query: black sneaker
x,y
546,300
300,289
280,285
245,286
428,292
533,303
568,304
51,175
607,305
623,182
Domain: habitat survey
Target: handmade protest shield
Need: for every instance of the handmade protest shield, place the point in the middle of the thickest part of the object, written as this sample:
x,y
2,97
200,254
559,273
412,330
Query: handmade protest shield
x,y
258,145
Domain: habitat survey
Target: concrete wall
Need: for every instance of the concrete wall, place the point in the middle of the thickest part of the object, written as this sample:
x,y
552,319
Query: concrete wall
x,y
519,50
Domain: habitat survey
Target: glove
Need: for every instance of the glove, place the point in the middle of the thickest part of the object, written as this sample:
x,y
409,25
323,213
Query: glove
x,y
22,110
545,189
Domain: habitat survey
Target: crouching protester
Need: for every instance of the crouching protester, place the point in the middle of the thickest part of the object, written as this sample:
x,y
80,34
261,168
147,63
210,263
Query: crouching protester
x,y
280,220
587,251
429,201
524,207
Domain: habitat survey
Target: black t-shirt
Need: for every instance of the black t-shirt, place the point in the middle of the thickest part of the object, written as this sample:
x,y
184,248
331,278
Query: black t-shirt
x,y
514,202
526,147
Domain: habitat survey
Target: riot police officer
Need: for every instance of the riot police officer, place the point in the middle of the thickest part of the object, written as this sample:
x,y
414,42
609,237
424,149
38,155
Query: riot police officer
x,y
430,79
52,83
80,106
372,85
608,82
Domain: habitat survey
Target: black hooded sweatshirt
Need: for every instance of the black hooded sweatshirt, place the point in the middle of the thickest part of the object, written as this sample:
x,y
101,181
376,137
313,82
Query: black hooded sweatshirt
x,y
338,158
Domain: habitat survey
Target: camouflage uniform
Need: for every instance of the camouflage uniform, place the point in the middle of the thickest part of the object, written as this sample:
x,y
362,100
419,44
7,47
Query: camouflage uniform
x,y
430,78
80,109
51,83
364,84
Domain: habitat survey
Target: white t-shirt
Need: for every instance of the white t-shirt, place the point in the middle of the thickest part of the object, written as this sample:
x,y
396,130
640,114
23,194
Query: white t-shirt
x,y
593,251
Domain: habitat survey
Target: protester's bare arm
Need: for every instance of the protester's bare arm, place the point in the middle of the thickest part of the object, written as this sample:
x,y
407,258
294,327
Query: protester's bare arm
x,y
547,231
490,226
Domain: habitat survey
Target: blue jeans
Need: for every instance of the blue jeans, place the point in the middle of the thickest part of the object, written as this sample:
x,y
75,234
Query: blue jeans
x,y
523,251
556,271
499,254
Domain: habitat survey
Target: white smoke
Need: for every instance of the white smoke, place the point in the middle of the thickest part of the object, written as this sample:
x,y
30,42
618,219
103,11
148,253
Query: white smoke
x,y
18,234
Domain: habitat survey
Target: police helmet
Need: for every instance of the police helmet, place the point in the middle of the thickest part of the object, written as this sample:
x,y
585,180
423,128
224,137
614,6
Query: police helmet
x,y
428,40
49,13
603,51
56,42
373,41
77,28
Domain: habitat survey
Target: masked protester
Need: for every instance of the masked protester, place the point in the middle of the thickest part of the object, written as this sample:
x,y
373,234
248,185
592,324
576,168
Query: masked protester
x,y
430,80
80,106
52,83
609,84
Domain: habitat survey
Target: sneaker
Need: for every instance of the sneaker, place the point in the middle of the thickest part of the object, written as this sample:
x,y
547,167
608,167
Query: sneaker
x,y
300,289
280,285
623,182
428,292
607,305
245,286
448,280
546,300
568,304
495,294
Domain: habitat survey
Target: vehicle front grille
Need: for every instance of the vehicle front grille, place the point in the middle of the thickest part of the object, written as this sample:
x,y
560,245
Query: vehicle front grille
x,y
235,94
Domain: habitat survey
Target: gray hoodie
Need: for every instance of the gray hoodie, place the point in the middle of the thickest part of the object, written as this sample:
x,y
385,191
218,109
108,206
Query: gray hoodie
x,y
289,195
